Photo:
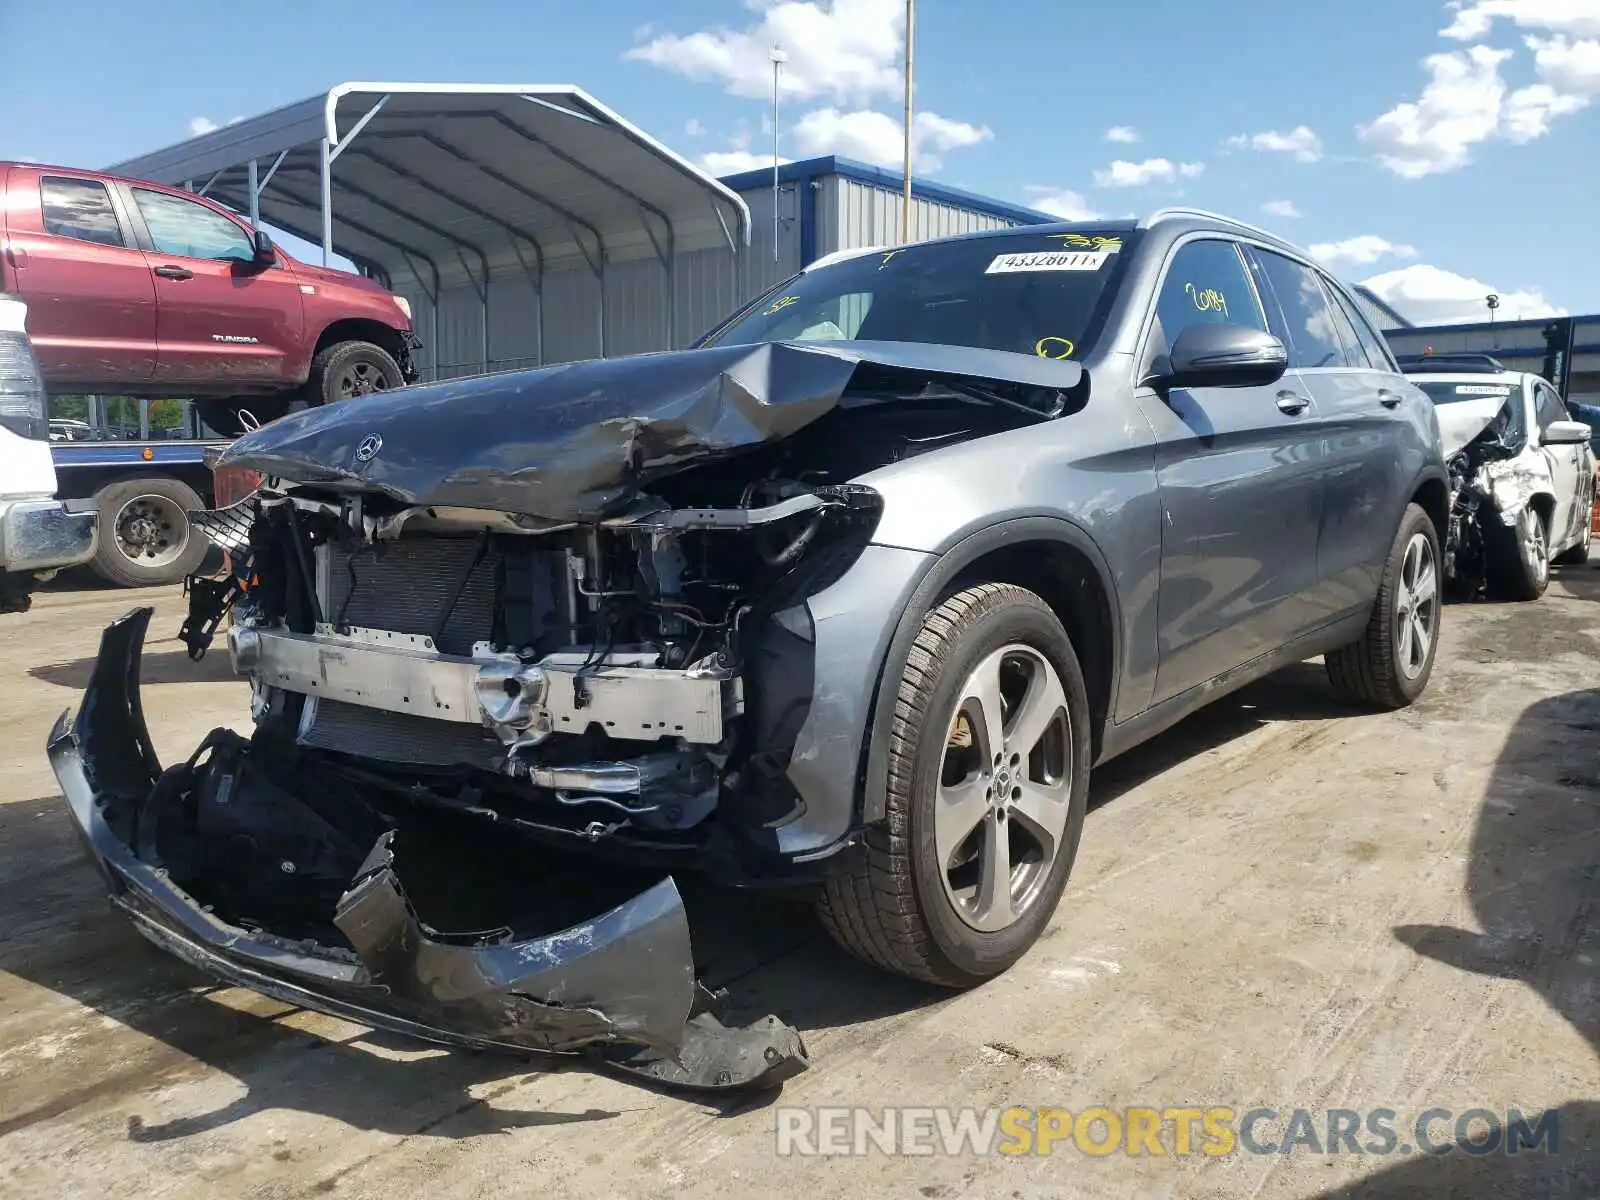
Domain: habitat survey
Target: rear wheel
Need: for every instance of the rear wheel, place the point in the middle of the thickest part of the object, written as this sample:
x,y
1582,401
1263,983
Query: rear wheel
x,y
145,536
1389,665
988,783
346,370
1519,557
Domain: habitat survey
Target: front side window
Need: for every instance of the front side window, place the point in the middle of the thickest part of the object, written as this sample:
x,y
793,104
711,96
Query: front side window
x,y
1313,336
1206,284
1037,294
191,230
1548,407
79,209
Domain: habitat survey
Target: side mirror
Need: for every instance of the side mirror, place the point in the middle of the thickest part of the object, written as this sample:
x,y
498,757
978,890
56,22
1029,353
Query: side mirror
x,y
1565,433
266,252
1223,356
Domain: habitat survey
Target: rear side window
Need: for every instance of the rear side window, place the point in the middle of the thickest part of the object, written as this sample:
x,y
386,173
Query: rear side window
x,y
191,230
1206,284
1372,342
1313,336
79,209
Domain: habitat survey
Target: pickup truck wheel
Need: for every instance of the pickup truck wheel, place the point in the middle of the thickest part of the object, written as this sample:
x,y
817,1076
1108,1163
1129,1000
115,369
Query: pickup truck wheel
x,y
988,784
1519,557
145,536
1389,665
345,370
223,415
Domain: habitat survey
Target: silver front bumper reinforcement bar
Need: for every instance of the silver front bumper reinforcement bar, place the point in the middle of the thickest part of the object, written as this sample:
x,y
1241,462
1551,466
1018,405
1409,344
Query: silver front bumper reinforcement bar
x,y
620,987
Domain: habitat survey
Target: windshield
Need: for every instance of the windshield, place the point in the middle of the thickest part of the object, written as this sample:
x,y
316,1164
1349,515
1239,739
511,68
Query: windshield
x,y
1454,393
1039,294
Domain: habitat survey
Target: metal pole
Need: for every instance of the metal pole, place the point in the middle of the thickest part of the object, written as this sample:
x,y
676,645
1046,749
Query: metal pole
x,y
255,195
327,204
778,59
905,204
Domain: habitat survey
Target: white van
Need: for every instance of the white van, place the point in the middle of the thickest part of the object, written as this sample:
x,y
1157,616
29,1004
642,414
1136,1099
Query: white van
x,y
39,534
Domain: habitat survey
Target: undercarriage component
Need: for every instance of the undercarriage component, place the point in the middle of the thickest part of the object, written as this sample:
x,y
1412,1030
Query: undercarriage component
x,y
622,979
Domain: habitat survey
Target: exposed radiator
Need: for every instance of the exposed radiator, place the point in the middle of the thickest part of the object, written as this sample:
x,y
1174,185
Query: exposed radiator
x,y
398,737
405,585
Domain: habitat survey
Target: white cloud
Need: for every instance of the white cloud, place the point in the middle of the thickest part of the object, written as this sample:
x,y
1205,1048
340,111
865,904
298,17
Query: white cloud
x,y
1431,295
1152,170
1569,67
878,138
1063,203
694,128
1126,134
1360,250
1473,20
846,50
1530,110
1459,108
1281,208
203,125
1301,141
734,162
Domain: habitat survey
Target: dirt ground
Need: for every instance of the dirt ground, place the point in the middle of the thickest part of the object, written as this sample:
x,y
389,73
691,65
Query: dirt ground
x,y
1279,904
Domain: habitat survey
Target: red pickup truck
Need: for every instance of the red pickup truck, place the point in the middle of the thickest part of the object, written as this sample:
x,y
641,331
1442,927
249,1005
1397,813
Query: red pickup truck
x,y
136,289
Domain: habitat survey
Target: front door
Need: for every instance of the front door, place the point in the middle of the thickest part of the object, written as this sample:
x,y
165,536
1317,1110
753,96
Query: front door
x,y
1239,476
1566,472
222,319
91,301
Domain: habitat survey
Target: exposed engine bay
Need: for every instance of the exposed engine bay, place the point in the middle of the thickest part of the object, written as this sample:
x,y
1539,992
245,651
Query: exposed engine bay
x,y
1492,480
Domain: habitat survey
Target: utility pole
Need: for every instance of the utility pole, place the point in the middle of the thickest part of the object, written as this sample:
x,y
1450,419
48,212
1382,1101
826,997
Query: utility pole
x,y
905,203
778,59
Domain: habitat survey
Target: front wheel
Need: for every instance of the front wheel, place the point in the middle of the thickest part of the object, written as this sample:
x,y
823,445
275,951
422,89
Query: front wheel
x,y
988,783
346,370
1389,665
1519,557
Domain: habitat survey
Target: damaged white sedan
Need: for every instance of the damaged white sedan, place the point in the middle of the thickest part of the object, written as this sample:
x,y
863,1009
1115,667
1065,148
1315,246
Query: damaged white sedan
x,y
1522,475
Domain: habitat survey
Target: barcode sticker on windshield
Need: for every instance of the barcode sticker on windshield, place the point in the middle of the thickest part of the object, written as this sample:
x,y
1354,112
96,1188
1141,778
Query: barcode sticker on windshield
x,y
1478,389
1049,260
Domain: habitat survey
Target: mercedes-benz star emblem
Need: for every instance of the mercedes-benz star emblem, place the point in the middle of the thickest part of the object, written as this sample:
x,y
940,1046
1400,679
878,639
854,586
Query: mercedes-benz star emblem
x,y
369,447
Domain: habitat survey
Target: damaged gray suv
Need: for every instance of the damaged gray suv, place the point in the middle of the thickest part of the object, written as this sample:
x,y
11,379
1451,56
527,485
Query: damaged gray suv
x,y
848,597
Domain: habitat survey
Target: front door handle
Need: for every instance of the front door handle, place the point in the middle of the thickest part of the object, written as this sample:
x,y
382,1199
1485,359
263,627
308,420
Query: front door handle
x,y
1292,403
1388,399
174,272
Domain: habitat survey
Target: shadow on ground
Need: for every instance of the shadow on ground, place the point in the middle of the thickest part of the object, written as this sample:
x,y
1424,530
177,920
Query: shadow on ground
x,y
160,666
1534,884
769,952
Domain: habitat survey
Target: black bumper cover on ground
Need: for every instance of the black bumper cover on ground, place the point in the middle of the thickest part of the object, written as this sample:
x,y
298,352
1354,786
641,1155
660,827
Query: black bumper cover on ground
x,y
621,986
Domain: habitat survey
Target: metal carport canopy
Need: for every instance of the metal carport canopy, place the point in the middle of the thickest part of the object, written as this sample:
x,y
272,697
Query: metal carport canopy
x,y
445,184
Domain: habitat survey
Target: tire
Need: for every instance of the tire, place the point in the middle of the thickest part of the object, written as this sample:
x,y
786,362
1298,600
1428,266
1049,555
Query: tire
x,y
1576,556
347,369
1381,669
222,415
1519,560
133,513
898,906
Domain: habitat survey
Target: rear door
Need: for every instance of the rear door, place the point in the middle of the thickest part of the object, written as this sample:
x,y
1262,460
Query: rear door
x,y
72,256
1567,471
223,320
1239,476
1364,439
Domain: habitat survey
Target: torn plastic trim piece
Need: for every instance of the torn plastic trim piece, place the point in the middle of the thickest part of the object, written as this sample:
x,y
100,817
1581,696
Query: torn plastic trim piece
x,y
626,977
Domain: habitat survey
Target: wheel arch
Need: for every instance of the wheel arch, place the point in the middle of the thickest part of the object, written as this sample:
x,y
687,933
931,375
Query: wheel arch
x,y
1050,556
362,329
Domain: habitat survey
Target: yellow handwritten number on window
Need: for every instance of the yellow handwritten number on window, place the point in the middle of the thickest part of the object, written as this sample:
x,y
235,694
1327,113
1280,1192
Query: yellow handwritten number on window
x,y
781,305
1048,347
1207,299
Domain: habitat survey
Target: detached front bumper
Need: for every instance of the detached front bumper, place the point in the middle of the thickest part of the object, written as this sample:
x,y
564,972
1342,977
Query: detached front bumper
x,y
621,986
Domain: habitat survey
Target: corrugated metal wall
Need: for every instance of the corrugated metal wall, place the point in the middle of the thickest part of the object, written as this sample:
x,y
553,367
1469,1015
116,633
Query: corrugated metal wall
x,y
852,214
708,284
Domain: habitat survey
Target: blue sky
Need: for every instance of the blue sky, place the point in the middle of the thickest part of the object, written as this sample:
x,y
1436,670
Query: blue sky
x,y
1440,150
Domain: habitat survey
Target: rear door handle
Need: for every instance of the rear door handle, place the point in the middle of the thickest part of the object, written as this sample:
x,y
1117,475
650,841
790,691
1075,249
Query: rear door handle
x,y
1388,399
174,272
1292,403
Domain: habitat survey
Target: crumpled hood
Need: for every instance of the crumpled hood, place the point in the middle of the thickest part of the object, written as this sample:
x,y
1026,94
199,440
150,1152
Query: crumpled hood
x,y
571,442
1462,420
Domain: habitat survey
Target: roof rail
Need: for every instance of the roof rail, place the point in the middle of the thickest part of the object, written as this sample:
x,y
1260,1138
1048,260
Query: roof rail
x,y
1206,214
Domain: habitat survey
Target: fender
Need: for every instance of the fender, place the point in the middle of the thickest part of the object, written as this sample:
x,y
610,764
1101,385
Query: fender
x,y
948,564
